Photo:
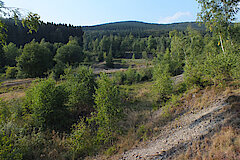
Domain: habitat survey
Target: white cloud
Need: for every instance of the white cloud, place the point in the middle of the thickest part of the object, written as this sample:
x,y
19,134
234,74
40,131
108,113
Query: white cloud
x,y
176,17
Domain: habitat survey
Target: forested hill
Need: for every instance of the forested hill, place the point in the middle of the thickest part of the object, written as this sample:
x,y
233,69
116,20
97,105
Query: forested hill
x,y
55,33
140,29
51,32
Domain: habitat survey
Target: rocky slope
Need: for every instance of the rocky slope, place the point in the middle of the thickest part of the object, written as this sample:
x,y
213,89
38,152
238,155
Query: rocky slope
x,y
179,134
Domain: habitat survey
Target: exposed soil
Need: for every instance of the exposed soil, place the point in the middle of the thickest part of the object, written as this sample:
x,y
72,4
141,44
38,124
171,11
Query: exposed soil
x,y
177,135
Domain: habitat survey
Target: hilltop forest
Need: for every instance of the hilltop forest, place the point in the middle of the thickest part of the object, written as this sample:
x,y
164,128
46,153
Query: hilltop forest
x,y
96,92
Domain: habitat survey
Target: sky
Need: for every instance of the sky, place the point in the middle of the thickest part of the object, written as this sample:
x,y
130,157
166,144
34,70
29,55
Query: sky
x,y
93,12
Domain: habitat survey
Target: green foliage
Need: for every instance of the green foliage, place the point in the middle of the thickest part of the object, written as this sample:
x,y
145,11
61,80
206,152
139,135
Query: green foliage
x,y
11,52
81,140
32,22
193,71
3,35
221,67
58,70
175,59
70,53
146,74
142,132
4,111
7,149
31,146
217,16
34,61
151,43
80,84
133,56
163,85
131,76
119,78
100,57
144,55
2,60
109,59
108,110
45,101
11,72
209,68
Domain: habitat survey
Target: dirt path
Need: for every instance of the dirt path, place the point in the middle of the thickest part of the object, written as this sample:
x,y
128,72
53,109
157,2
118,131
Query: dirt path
x,y
180,133
10,83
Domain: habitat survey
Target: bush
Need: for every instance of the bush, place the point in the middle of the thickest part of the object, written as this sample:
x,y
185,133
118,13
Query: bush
x,y
119,78
34,61
146,74
194,72
81,140
58,70
11,72
221,67
163,85
45,101
7,148
108,110
80,86
69,54
131,76
11,53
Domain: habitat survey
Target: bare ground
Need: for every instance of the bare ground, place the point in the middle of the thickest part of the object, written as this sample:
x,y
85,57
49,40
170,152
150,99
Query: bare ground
x,y
176,136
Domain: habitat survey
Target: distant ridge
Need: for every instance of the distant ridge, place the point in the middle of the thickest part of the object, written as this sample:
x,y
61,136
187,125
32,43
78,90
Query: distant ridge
x,y
126,25
137,29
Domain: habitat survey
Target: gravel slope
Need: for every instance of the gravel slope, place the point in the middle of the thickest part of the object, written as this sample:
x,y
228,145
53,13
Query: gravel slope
x,y
182,132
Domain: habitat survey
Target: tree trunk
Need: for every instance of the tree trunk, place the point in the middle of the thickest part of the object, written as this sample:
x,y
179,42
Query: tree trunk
x,y
221,43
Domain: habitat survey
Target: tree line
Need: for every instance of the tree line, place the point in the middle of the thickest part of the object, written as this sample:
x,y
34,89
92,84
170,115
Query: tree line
x,y
51,32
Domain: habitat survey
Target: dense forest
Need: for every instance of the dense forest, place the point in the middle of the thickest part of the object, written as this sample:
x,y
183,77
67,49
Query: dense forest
x,y
138,29
51,32
55,105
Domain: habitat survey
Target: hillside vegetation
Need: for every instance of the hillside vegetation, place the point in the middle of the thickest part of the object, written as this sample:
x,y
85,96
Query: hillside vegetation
x,y
123,96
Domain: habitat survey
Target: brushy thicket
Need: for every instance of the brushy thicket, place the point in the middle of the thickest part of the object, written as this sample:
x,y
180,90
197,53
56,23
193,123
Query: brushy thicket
x,y
133,76
91,107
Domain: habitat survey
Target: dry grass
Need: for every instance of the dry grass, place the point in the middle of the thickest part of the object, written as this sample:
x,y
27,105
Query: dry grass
x,y
197,99
14,89
222,145
12,95
192,101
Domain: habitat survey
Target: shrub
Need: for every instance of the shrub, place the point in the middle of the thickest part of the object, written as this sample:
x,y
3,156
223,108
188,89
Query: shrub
x,y
11,53
11,72
4,111
108,110
131,76
221,67
145,74
194,72
119,78
7,148
81,140
70,53
142,132
163,85
80,86
46,102
144,55
58,70
34,61
109,59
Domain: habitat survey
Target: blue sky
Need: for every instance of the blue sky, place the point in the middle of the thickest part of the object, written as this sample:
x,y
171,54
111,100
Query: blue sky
x,y
92,12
